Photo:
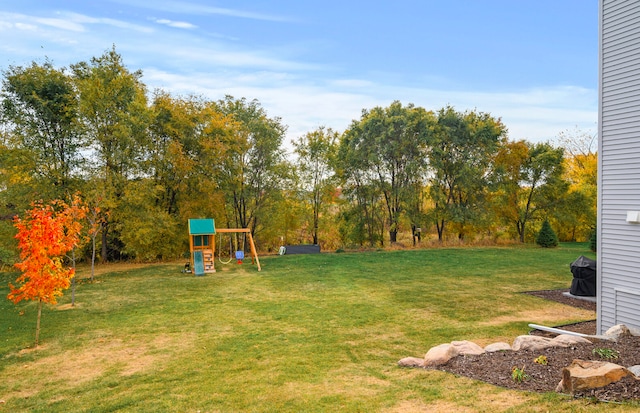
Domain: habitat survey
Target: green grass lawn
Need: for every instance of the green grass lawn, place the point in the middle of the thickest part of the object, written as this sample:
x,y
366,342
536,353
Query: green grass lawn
x,y
310,333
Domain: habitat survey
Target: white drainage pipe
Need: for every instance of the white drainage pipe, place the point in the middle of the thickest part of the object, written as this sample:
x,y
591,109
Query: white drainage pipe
x,y
557,330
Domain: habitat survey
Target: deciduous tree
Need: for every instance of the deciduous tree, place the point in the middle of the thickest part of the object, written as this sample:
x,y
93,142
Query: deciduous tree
x,y
113,110
461,157
253,165
316,152
360,216
575,219
39,110
530,181
389,144
45,235
188,138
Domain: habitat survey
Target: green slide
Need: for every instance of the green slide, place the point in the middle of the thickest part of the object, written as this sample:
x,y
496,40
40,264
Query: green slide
x,y
198,263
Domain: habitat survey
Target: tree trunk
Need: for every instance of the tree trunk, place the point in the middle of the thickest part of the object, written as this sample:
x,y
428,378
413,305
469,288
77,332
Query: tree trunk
x,y
316,216
93,255
73,280
521,227
38,322
393,236
315,228
440,228
105,228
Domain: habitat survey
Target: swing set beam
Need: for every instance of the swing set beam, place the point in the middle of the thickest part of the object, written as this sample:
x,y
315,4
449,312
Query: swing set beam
x,y
254,253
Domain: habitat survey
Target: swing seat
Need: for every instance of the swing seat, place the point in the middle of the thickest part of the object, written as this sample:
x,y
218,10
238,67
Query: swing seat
x,y
239,256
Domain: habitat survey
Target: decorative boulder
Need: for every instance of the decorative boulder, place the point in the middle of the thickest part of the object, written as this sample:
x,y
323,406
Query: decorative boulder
x,y
441,354
438,355
533,343
411,362
617,331
581,375
635,370
465,347
634,331
567,340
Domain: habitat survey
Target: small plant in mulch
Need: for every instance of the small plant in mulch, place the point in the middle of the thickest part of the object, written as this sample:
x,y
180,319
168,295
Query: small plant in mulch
x,y
518,374
542,360
605,353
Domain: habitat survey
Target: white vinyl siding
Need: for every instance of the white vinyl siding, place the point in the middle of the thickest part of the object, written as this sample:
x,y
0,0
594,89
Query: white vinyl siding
x,y
618,274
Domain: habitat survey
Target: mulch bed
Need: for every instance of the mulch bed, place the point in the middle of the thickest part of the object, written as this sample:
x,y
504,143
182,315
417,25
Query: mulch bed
x,y
496,368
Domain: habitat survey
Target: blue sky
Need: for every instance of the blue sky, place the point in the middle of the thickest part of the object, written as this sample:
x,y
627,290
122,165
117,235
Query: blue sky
x,y
533,63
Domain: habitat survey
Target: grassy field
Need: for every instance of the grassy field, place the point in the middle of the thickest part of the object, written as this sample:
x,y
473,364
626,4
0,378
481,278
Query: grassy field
x,y
310,333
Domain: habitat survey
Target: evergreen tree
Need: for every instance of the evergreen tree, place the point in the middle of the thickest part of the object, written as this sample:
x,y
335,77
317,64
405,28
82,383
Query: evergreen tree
x,y
547,238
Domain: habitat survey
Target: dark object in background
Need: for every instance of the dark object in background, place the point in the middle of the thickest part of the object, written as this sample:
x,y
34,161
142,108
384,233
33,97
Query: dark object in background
x,y
584,277
302,249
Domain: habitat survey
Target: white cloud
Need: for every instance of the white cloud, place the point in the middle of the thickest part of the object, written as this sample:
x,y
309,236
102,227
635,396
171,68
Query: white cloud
x,y
533,114
25,26
537,114
178,25
63,24
200,9
67,22
352,83
195,55
120,24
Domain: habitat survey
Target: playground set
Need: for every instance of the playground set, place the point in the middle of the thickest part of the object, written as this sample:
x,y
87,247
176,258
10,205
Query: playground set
x,y
202,245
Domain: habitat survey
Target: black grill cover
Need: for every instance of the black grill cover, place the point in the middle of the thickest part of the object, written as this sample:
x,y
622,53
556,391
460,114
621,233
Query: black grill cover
x,y
584,277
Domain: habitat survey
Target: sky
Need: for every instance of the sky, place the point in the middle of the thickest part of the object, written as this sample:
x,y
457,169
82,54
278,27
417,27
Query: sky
x,y
531,63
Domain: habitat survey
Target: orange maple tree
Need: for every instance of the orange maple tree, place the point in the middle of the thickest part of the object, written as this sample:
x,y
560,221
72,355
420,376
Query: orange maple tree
x,y
45,235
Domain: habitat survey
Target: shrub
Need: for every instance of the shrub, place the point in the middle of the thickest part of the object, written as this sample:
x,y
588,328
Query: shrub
x,y
593,240
547,238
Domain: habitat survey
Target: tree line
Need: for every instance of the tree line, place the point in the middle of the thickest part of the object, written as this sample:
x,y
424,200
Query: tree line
x,y
146,161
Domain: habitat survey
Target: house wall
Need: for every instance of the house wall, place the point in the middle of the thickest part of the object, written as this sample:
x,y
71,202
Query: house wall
x,y
618,284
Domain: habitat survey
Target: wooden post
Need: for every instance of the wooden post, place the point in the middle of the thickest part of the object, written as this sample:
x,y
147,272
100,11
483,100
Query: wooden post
x,y
213,250
191,263
254,253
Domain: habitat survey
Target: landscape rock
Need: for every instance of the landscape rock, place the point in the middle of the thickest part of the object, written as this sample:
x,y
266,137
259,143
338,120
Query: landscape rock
x,y
582,375
441,354
634,331
601,338
635,370
533,343
567,340
438,355
411,362
465,347
618,331
500,346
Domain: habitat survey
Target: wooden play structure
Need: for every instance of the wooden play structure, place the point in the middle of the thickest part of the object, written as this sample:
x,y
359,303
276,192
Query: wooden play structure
x,y
202,245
